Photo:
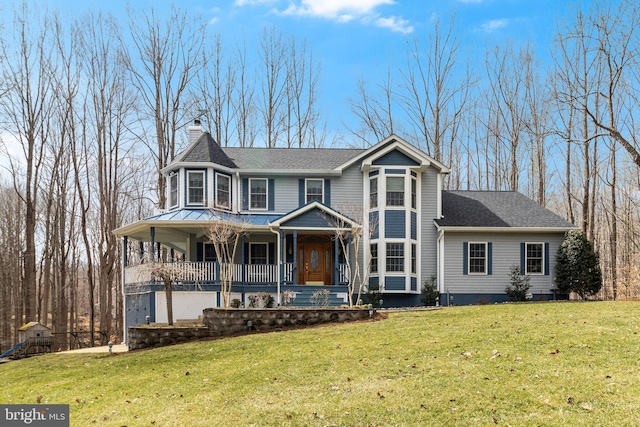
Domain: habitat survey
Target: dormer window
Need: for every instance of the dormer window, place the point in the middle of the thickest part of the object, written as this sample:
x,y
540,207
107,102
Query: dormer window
x,y
314,190
223,186
173,190
195,190
258,193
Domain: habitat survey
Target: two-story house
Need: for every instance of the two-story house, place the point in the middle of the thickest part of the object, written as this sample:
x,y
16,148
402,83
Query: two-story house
x,y
298,202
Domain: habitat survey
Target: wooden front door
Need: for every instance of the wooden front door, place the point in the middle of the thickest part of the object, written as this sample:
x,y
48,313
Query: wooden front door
x,y
314,262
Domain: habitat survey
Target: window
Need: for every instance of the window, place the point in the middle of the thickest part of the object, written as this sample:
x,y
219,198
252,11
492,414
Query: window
x,y
209,252
258,253
373,193
258,194
196,188
414,194
222,191
477,258
395,257
374,257
414,258
314,190
395,191
173,190
535,258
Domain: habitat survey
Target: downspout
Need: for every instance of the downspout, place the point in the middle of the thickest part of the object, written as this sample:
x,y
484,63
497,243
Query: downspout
x,y
280,264
440,265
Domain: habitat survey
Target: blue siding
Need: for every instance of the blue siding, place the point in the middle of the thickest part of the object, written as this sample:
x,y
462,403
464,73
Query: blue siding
x,y
312,218
395,171
374,282
395,158
394,283
395,224
414,226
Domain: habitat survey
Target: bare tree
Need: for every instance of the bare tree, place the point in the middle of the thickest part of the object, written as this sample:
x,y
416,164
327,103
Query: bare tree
x,y
26,106
167,56
435,90
352,232
374,109
225,233
273,61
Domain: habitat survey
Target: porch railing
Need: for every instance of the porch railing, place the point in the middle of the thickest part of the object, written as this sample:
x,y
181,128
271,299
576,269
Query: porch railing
x,y
207,272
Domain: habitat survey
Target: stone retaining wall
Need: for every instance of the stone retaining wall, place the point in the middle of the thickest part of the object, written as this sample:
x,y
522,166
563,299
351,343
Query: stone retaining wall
x,y
160,336
219,322
225,322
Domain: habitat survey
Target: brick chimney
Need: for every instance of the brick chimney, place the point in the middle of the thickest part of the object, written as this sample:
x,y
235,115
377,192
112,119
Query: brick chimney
x,y
195,131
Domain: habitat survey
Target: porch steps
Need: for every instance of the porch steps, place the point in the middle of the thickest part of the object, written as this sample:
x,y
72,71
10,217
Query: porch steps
x,y
303,299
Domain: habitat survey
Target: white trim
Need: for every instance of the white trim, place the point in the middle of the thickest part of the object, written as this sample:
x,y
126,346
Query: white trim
x,y
486,259
171,176
217,175
204,187
266,200
306,189
450,228
526,258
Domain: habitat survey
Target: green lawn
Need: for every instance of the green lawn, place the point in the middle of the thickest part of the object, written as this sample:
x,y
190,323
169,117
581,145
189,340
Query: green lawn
x,y
564,364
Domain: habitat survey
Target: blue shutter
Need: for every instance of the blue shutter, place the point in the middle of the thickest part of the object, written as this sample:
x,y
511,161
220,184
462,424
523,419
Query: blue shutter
x,y
523,254
327,192
546,259
301,198
245,253
271,194
489,258
245,194
465,257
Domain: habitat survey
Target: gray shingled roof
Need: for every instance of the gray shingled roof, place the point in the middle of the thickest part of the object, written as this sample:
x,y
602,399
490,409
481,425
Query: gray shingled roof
x,y
290,158
496,209
205,149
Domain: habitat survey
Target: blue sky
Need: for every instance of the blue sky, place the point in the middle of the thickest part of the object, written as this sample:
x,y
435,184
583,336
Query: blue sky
x,y
360,37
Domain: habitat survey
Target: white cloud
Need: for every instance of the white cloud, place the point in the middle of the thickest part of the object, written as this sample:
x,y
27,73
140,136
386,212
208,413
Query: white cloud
x,y
335,9
252,2
348,10
494,24
395,23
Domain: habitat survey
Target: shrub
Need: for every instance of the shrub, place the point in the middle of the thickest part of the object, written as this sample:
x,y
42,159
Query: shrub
x,y
288,297
373,295
429,294
519,285
236,303
578,266
267,299
253,301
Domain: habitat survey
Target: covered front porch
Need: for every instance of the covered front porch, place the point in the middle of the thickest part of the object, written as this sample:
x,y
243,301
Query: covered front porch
x,y
298,250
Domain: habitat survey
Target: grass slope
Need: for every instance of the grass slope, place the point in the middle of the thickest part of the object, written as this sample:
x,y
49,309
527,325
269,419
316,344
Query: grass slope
x,y
512,364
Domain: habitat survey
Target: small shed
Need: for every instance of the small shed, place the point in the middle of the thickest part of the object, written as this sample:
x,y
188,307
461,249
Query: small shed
x,y
33,330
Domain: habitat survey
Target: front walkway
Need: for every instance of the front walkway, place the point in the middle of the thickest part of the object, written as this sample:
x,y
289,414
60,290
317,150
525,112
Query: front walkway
x,y
117,348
